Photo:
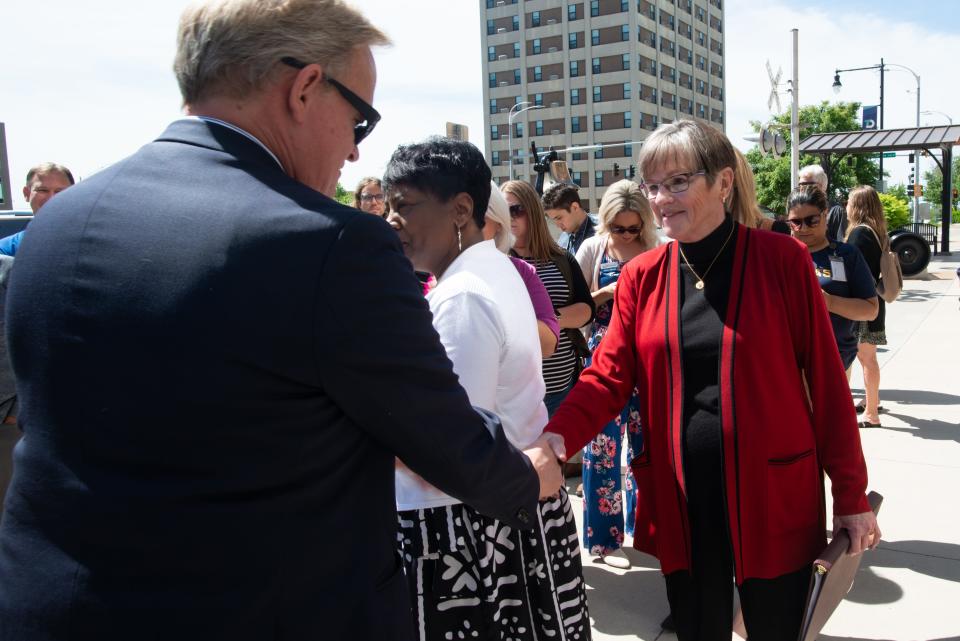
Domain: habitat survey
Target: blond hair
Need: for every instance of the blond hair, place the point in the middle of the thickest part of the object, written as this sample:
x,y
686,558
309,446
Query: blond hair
x,y
742,201
499,212
625,195
540,243
231,47
688,143
864,208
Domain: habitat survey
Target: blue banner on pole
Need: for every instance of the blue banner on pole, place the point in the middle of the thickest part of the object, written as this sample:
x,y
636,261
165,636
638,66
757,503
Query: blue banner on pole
x,y
870,117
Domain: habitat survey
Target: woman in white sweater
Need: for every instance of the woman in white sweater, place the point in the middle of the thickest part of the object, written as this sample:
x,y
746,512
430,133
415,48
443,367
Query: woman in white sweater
x,y
471,576
626,228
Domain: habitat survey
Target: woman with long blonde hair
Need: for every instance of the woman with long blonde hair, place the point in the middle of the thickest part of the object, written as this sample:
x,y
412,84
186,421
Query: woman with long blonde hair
x,y
561,275
626,229
867,231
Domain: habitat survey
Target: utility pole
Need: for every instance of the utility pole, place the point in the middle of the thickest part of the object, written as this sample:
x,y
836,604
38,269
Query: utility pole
x,y
6,195
795,114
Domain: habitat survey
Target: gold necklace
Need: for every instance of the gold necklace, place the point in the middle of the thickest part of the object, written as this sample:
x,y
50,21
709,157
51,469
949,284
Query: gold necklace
x,y
700,283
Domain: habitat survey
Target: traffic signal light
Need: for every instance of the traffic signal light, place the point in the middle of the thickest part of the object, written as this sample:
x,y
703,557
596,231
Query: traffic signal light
x,y
911,160
616,169
633,172
910,189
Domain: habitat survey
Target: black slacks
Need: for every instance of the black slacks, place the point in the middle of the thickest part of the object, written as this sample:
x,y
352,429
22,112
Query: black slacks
x,y
701,600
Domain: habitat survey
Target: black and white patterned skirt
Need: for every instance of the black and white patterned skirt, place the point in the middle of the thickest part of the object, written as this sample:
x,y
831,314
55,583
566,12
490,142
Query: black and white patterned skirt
x,y
472,577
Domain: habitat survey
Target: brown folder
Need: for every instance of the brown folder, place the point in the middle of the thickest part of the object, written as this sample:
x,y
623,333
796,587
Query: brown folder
x,y
831,580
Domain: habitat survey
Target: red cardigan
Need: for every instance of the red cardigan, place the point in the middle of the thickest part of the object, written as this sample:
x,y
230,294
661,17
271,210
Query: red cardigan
x,y
776,441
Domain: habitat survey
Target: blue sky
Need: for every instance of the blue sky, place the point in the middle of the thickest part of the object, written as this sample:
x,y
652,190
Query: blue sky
x,y
87,83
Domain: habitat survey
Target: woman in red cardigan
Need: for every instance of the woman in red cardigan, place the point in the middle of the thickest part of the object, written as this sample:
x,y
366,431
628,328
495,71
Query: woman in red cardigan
x,y
744,401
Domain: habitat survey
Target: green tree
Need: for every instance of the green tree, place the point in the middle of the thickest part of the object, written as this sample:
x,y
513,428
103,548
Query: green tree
x,y
343,196
900,192
933,188
772,175
895,211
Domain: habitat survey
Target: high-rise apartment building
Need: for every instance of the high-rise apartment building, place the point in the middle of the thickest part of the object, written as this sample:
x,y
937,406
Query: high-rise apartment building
x,y
595,72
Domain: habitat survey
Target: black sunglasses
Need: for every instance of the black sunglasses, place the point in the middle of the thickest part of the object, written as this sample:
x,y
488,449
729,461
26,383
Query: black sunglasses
x,y
516,211
620,231
810,221
370,115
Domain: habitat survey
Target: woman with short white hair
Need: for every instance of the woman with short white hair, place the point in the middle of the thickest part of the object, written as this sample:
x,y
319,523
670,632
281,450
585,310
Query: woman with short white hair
x,y
626,229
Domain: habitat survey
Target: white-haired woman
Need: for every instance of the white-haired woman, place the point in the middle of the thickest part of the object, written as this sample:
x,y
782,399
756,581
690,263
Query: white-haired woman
x,y
626,229
497,228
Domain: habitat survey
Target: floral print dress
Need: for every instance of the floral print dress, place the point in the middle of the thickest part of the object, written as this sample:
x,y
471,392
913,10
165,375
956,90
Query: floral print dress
x,y
605,503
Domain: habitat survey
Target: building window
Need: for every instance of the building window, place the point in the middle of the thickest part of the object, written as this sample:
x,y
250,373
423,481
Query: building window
x,y
579,155
627,120
491,29
701,111
494,132
516,76
574,40
493,80
577,177
626,91
493,105
624,5
516,23
574,68
625,62
598,178
628,149
625,32
518,130
538,127
571,12
597,122
537,73
535,19
516,49
575,125
491,53
495,158
536,46
596,65
596,94
574,96
595,37
598,154
594,8
538,99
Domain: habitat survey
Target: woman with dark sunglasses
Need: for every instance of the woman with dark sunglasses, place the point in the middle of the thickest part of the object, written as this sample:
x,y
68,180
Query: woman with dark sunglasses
x,y
561,275
625,230
848,287
724,334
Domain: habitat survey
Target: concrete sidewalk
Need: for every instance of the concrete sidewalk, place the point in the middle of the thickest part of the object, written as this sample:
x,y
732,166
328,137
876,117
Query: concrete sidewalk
x,y
908,589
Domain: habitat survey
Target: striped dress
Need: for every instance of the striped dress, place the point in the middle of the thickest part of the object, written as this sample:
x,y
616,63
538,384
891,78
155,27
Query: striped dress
x,y
558,370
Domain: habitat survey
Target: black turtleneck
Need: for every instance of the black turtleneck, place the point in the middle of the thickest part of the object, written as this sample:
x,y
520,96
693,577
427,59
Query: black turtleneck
x,y
702,314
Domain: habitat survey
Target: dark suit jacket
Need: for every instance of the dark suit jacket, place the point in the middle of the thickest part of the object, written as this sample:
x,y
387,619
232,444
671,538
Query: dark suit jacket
x,y
217,366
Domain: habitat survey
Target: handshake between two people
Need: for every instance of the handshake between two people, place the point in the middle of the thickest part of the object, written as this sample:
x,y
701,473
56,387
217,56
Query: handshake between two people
x,y
548,453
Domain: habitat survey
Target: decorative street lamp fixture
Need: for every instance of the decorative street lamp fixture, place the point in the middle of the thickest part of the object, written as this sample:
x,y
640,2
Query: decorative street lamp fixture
x,y
515,112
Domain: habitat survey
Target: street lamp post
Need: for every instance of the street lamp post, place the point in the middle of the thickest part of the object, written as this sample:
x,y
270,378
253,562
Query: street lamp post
x,y
916,154
510,117
837,86
931,112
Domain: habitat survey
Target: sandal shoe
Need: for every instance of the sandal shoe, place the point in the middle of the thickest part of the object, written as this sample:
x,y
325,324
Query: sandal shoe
x,y
617,559
866,424
861,407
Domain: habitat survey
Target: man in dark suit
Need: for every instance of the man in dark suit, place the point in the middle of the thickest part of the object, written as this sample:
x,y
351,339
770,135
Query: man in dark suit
x,y
218,366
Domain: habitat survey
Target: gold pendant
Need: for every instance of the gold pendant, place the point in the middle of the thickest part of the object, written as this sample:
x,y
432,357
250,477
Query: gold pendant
x,y
699,284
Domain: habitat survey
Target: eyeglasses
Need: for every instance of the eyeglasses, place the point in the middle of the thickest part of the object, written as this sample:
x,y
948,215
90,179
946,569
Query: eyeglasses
x,y
517,211
674,184
806,183
370,115
620,231
810,221
371,197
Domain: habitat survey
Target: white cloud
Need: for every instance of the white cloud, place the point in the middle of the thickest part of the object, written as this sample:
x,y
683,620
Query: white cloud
x,y
88,83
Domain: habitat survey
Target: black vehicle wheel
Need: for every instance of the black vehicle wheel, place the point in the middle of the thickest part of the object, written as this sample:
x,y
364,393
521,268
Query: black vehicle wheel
x,y
913,252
